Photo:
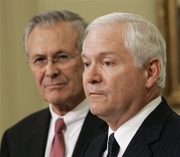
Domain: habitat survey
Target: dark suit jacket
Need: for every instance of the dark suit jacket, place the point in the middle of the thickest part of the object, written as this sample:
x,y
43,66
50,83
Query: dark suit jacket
x,y
158,136
28,137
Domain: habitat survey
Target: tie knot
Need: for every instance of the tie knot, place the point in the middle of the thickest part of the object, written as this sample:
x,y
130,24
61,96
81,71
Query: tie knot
x,y
112,138
113,147
59,126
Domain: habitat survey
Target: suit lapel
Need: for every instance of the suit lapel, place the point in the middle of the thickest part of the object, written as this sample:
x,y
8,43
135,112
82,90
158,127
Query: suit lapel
x,y
38,135
143,142
92,127
36,138
97,147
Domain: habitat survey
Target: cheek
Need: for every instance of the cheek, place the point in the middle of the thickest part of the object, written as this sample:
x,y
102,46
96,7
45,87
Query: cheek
x,y
84,81
38,77
119,87
75,77
129,85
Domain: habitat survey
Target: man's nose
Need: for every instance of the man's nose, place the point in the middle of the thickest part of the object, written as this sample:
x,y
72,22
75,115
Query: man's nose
x,y
92,75
51,69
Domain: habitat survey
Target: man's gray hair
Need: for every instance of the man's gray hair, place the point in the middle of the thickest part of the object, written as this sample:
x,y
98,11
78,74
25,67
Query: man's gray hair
x,y
52,17
141,38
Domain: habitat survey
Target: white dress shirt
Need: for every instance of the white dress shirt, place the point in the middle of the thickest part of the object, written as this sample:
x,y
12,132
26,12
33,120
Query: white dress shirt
x,y
125,132
74,120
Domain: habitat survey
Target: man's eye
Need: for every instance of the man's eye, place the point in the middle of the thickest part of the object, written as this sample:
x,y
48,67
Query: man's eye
x,y
107,63
86,64
62,57
39,60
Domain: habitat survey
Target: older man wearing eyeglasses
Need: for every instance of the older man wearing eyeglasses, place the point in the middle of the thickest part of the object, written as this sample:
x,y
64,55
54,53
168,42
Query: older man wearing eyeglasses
x,y
53,43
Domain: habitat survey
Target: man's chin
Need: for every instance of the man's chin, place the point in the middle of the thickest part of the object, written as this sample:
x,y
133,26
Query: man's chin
x,y
55,100
95,110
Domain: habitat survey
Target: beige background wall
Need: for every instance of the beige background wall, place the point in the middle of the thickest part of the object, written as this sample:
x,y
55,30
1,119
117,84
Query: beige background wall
x,y
18,94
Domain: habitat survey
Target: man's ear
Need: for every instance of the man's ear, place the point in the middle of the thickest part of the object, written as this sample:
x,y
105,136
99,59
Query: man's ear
x,y
152,70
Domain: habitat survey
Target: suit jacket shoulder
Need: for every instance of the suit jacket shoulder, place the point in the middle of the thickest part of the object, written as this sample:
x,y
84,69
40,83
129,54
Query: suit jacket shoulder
x,y
27,137
158,136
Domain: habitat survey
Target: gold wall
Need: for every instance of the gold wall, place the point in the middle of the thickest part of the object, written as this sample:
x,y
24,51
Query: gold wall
x,y
18,94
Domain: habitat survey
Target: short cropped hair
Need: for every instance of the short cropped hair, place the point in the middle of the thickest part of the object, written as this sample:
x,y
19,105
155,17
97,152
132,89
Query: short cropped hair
x,y
52,17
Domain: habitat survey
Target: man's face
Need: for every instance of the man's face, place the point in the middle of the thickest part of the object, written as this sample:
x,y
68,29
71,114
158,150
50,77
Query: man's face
x,y
57,86
113,85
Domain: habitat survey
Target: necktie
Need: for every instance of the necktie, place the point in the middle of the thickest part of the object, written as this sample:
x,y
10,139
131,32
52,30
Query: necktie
x,y
113,147
58,146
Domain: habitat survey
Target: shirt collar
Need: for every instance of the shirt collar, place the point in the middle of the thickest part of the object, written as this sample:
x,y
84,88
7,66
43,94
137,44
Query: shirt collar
x,y
76,114
125,132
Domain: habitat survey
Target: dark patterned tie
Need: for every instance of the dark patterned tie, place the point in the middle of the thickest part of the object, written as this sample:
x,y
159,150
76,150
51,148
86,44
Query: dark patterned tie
x,y
113,147
58,146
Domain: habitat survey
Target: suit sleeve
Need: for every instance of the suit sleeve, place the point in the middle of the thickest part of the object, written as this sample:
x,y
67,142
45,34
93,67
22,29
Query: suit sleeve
x,y
4,146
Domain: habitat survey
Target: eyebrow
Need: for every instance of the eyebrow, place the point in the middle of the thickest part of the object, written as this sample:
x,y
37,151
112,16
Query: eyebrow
x,y
53,54
60,51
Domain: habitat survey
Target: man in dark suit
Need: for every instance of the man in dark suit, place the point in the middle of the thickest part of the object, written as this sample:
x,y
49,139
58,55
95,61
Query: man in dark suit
x,y
124,59
53,43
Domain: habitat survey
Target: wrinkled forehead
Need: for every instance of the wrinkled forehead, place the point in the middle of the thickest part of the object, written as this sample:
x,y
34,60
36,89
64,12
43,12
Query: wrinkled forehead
x,y
108,37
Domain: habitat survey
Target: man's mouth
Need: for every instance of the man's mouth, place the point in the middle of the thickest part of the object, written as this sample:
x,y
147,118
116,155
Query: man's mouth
x,y
54,85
